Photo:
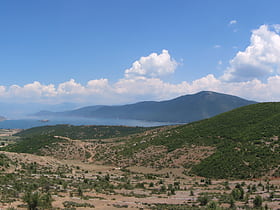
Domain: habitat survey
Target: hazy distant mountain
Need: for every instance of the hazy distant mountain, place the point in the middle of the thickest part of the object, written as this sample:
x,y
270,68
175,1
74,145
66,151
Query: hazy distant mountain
x,y
186,108
2,118
22,110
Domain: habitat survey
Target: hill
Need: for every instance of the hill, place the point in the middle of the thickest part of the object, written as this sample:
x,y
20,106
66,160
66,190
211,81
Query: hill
x,y
82,132
37,138
242,143
183,109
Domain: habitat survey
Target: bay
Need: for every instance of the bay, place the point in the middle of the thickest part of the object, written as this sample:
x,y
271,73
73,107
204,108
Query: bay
x,y
29,123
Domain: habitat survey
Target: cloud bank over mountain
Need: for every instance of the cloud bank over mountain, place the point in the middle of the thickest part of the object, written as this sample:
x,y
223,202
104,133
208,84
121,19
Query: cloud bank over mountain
x,y
253,73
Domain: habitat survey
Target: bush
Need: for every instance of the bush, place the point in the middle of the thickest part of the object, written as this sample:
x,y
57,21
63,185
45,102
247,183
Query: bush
x,y
36,199
203,200
257,201
212,205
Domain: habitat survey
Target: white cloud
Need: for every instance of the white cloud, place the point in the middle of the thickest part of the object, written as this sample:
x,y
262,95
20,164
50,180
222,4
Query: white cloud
x,y
217,46
2,90
98,86
260,59
128,90
252,73
154,65
232,22
276,27
32,90
151,88
70,87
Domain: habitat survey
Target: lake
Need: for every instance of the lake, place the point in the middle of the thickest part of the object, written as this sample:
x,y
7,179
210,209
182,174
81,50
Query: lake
x,y
29,123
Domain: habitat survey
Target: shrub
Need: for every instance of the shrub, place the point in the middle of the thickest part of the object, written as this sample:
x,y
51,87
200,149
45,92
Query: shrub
x,y
203,200
36,199
257,201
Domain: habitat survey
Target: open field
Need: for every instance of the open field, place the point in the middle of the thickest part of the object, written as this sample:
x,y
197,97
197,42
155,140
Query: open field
x,y
74,184
7,136
8,132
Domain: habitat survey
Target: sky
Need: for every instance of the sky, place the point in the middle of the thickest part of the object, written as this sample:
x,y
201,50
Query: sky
x,y
94,52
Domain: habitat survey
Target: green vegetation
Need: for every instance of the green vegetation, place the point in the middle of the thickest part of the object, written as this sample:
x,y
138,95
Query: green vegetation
x,y
38,185
257,201
246,142
241,144
37,199
4,161
32,144
82,132
184,109
174,207
71,204
34,139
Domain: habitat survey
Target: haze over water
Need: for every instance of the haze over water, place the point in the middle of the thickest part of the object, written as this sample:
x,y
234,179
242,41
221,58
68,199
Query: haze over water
x,y
29,123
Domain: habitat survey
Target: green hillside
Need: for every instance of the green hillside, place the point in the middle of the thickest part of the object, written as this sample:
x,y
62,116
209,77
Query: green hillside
x,y
82,132
32,144
242,143
246,141
34,139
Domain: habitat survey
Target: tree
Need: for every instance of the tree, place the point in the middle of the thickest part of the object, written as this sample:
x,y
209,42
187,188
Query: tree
x,y
208,181
32,200
36,199
80,192
238,186
257,201
191,193
212,205
235,193
203,200
232,203
107,177
172,191
246,199
46,200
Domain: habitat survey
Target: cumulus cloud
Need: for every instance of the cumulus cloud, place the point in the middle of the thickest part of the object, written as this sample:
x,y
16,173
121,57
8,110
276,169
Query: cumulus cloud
x,y
154,65
259,60
276,27
134,89
32,90
98,86
232,22
252,73
70,87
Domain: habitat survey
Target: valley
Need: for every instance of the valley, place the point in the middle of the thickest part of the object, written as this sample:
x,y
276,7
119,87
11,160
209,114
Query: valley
x,y
139,105
229,161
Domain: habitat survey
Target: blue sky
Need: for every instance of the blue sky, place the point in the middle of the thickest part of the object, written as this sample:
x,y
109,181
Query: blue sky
x,y
123,51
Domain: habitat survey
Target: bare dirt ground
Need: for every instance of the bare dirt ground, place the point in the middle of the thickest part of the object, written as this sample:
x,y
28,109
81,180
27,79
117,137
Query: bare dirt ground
x,y
9,132
76,180
133,187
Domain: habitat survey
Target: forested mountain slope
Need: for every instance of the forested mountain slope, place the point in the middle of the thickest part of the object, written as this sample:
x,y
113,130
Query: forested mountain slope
x,y
185,109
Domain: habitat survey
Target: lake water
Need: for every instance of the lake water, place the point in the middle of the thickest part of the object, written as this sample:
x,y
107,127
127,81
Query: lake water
x,y
29,123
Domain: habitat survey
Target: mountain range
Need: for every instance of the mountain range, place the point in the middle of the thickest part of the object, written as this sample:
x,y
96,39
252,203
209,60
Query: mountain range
x,y
184,109
242,143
